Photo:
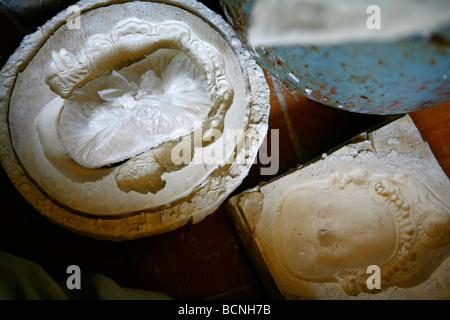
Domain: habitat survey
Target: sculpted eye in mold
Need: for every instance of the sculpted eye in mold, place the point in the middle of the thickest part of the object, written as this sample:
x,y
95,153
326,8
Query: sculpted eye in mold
x,y
96,112
382,202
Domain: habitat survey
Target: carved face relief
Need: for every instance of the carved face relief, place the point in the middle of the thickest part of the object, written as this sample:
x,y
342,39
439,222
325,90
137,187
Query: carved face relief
x,y
96,113
371,220
114,110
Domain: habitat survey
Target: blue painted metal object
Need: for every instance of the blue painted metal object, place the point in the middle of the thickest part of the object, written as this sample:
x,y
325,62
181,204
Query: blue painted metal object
x,y
376,78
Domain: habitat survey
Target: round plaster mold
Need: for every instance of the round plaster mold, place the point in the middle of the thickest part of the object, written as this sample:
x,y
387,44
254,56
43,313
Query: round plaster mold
x,y
113,127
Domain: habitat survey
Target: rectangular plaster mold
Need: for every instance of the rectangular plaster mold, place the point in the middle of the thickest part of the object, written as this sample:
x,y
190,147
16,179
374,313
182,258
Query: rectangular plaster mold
x,y
368,221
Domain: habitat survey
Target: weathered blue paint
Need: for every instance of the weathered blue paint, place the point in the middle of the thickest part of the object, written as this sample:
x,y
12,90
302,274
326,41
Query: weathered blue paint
x,y
377,78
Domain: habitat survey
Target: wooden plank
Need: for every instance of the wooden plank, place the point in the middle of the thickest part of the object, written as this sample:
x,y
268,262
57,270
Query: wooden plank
x,y
434,126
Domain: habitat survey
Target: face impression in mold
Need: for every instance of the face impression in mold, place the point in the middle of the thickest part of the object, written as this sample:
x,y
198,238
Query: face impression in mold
x,y
336,232
332,230
118,116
